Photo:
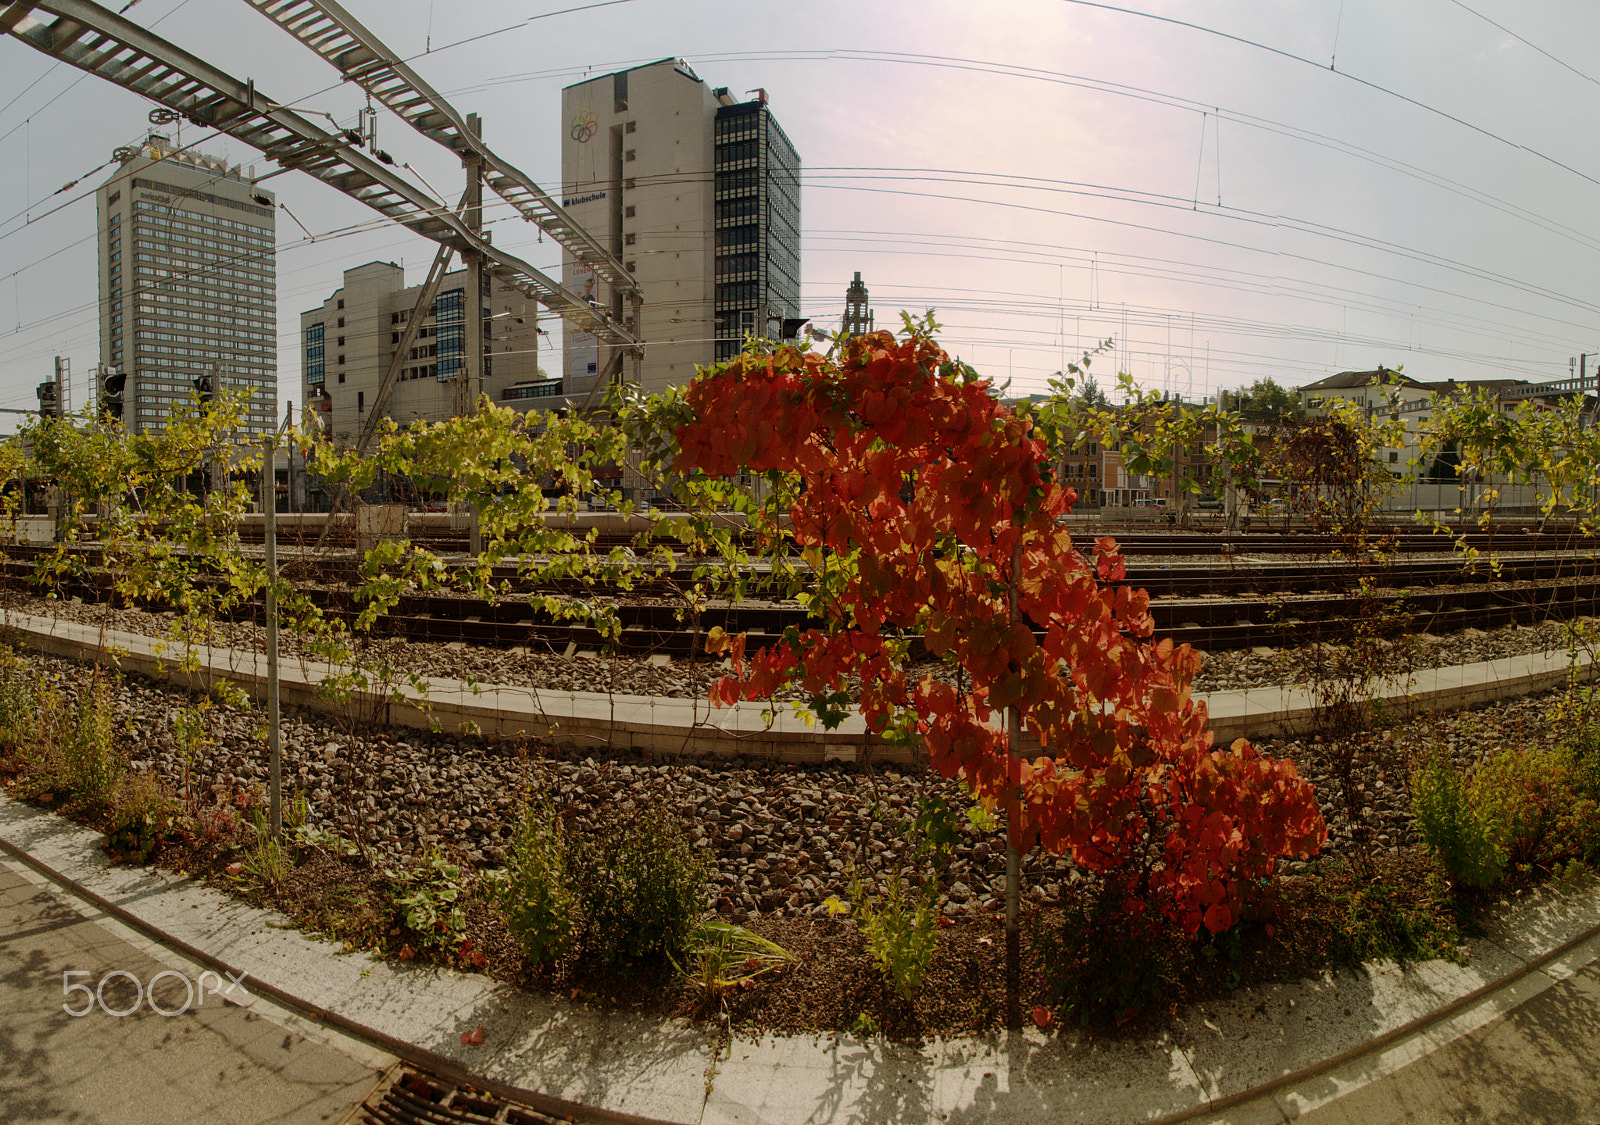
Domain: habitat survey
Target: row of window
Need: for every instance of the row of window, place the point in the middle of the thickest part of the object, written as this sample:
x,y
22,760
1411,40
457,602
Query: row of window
x,y
260,368
212,270
156,185
531,390
728,154
194,332
221,283
202,353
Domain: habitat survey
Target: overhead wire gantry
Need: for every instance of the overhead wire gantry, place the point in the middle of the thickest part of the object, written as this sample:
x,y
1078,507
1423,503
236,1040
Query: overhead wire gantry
x,y
98,41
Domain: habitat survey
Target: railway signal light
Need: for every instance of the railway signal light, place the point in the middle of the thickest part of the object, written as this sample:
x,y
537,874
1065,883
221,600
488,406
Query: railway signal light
x,y
49,401
112,386
205,388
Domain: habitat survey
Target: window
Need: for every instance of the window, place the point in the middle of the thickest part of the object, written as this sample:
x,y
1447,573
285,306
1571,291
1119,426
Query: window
x,y
394,337
627,128
628,212
341,358
116,195
341,319
341,376
628,239
1394,456
361,401
630,155
341,305
341,338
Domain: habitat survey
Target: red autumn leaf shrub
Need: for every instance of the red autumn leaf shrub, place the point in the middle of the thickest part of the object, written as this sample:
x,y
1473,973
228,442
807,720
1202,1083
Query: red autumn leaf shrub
x,y
913,482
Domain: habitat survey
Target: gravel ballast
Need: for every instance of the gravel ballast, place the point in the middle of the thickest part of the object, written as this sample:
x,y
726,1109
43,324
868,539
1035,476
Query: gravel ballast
x,y
781,838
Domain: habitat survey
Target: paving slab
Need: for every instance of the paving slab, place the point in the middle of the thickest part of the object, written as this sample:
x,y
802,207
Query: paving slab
x,y
109,1056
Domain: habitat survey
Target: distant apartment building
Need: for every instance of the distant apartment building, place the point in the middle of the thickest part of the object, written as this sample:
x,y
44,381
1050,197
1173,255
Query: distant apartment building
x,y
187,283
699,196
350,340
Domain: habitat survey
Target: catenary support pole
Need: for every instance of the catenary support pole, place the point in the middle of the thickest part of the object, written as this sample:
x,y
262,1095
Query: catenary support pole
x,y
269,516
1013,832
472,369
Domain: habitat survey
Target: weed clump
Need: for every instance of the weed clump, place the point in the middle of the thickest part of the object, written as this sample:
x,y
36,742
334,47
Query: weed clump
x,y
535,893
625,895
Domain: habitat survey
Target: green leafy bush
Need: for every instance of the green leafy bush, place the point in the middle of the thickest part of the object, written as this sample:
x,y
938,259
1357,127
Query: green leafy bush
x,y
20,688
1548,800
901,926
143,817
1536,807
428,897
901,930
640,889
35,725
534,892
1470,840
92,766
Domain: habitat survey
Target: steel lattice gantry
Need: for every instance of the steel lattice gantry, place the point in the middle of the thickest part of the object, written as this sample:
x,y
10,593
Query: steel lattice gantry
x,y
99,42
360,57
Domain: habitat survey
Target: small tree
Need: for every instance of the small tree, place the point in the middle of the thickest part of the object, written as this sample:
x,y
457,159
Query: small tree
x,y
925,508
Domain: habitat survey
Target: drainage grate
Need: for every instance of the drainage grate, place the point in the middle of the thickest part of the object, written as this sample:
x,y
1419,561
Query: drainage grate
x,y
412,1097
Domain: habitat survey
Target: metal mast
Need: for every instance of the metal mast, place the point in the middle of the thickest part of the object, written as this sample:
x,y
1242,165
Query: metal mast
x,y
362,58
99,42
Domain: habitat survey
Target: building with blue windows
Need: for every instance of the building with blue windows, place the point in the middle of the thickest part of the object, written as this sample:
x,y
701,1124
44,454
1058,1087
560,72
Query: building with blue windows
x,y
698,194
351,340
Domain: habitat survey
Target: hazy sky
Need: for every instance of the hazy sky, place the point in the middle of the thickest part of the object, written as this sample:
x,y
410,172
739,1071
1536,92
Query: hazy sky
x,y
1270,188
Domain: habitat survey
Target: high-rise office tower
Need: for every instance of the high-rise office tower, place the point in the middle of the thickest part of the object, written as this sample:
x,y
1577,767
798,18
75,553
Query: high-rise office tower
x,y
349,341
699,196
188,286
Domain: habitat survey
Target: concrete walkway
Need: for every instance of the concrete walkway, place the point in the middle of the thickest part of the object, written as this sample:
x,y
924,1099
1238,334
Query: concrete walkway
x,y
1267,1055
69,1053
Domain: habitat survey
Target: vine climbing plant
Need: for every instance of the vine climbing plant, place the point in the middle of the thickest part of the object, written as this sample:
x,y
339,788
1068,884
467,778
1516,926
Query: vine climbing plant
x,y
923,506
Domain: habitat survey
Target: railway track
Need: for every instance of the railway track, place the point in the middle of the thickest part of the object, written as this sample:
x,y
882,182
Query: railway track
x,y
1214,592
1210,623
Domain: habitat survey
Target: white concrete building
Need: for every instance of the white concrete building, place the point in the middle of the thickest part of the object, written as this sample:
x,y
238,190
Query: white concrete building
x,y
699,196
348,342
187,284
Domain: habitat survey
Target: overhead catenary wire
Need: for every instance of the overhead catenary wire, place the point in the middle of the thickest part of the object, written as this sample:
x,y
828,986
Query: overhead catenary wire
x,y
1434,290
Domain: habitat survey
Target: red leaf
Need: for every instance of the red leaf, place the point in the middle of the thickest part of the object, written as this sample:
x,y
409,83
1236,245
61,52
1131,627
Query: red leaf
x,y
1043,1017
472,1038
725,692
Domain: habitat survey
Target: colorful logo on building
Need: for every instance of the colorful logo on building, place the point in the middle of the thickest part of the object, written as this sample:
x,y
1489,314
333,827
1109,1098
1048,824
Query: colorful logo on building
x,y
584,126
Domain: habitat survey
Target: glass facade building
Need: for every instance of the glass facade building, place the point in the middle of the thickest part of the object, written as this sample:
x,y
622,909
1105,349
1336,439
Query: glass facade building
x,y
756,178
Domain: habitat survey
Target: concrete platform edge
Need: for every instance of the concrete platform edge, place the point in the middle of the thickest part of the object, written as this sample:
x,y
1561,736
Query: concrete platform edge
x,y
673,728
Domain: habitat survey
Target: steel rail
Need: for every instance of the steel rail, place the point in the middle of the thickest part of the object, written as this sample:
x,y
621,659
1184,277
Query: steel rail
x,y
362,58
101,43
1208,624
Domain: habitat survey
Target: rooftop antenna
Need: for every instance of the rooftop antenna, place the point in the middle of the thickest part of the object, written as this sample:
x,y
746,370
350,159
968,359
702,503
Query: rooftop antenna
x,y
169,117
